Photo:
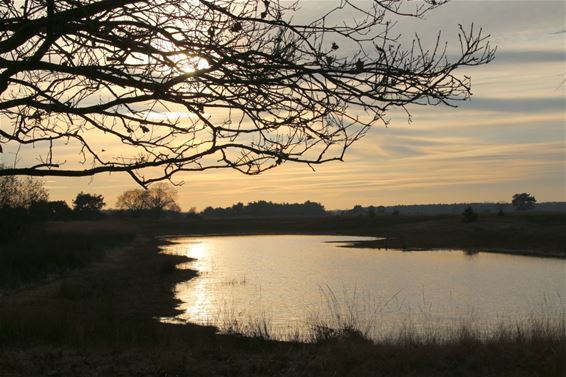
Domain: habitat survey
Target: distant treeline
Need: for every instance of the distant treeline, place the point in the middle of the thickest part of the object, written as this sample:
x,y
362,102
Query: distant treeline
x,y
314,209
266,209
439,209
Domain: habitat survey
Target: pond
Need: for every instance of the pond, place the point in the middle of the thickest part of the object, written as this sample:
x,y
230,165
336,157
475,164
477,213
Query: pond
x,y
292,283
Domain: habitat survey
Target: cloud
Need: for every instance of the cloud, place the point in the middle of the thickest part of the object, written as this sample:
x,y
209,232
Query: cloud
x,y
439,166
516,105
530,56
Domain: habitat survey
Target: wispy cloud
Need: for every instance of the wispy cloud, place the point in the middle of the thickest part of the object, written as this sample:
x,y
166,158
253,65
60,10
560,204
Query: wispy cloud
x,y
517,105
533,56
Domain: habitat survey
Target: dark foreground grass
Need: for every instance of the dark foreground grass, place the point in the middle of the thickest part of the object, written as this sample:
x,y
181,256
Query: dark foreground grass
x,y
100,321
170,350
49,250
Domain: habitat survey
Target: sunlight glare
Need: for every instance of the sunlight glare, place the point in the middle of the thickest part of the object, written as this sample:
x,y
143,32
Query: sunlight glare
x,y
197,250
190,64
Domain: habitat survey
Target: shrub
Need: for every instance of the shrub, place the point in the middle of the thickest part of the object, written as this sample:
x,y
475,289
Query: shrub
x,y
469,216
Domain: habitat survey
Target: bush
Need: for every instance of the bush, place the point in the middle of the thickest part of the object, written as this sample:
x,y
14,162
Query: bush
x,y
469,216
13,222
88,206
523,201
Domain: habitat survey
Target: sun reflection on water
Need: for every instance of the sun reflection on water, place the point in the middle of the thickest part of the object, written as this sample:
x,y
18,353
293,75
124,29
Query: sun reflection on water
x,y
199,308
197,250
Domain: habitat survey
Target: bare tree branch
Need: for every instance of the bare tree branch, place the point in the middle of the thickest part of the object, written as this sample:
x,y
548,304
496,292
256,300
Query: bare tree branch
x,y
152,88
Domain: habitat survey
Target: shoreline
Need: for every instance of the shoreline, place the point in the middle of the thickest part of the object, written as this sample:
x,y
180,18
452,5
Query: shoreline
x,y
378,243
517,252
534,235
381,243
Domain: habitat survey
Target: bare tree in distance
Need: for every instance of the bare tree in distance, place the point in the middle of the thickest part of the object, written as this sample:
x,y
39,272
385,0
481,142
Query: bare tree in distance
x,y
159,197
16,192
157,87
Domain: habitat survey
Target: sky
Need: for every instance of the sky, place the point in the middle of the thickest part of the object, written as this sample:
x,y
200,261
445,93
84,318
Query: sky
x,y
509,138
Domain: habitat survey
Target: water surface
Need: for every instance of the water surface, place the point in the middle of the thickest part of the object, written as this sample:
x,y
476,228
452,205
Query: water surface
x,y
293,282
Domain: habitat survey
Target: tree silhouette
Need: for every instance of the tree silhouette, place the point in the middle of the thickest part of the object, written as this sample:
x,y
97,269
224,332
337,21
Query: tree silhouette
x,y
263,208
88,205
157,198
523,202
155,87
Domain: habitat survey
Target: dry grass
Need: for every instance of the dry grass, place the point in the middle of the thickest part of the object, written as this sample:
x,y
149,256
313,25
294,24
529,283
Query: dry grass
x,y
56,248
